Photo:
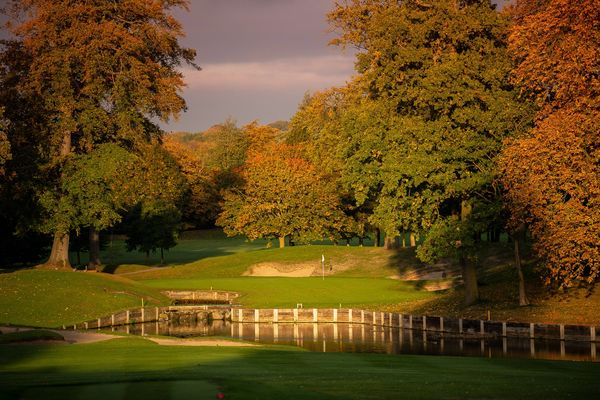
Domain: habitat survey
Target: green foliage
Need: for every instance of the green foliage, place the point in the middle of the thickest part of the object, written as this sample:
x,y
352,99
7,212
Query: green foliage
x,y
228,146
101,186
425,118
151,226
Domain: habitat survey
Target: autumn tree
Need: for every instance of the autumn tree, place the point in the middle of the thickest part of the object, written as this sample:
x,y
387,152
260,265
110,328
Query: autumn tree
x,y
551,171
283,196
105,72
435,109
202,203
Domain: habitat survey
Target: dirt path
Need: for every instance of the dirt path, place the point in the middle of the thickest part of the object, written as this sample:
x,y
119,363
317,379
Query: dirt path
x,y
77,337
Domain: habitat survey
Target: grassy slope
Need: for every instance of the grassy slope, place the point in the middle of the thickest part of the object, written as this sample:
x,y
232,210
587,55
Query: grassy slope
x,y
48,372
373,262
51,299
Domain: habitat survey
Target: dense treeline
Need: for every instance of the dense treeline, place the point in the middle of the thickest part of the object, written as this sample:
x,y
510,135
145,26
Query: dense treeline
x,y
460,122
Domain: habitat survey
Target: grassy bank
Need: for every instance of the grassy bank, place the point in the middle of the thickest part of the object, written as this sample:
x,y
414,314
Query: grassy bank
x,y
121,368
51,299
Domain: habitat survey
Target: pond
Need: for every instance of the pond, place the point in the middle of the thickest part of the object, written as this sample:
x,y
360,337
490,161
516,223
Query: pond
x,y
363,338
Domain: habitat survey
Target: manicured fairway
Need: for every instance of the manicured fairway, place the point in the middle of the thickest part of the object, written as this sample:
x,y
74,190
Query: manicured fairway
x,y
122,369
311,292
51,298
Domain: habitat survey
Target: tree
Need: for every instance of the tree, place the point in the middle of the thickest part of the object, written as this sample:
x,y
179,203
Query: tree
x,y
104,71
101,186
202,203
4,143
436,106
551,171
160,189
283,195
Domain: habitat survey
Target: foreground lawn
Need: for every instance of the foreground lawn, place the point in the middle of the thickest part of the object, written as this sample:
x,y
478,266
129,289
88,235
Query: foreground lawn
x,y
135,368
51,298
311,292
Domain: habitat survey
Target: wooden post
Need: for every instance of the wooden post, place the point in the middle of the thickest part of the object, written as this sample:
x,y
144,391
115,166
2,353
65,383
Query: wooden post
x,y
504,330
295,315
592,333
481,327
156,314
460,326
99,323
532,330
350,315
562,332
275,315
315,315
382,319
240,315
256,316
410,322
401,321
441,324
424,322
335,312
127,318
390,318
143,315
86,325
112,320
362,316
374,318
256,332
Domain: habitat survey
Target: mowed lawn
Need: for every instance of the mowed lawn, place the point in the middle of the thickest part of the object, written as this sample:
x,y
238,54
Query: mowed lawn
x,y
314,292
135,368
53,298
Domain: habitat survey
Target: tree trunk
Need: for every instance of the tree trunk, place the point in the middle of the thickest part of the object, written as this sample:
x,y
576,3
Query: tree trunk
x,y
377,238
162,257
523,300
469,270
388,243
469,275
403,239
413,241
59,256
94,262
281,242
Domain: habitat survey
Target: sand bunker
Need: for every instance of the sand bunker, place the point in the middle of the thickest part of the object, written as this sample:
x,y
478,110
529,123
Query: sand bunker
x,y
290,270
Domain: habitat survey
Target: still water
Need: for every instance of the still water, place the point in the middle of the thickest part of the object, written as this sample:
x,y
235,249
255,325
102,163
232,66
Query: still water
x,y
359,338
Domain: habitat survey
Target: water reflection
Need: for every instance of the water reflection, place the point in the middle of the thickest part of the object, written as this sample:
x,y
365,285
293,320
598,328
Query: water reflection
x,y
361,338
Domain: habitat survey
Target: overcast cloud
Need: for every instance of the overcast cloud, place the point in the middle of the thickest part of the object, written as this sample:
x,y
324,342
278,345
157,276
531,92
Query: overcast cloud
x,y
258,58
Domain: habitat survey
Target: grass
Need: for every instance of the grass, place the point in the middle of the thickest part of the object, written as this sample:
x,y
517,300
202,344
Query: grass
x,y
274,292
131,367
29,336
191,247
51,298
374,262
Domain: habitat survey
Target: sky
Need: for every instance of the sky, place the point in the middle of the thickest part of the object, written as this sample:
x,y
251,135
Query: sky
x,y
258,59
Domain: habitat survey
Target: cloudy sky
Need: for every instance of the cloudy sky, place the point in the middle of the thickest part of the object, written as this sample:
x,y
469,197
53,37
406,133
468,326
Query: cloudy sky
x,y
258,58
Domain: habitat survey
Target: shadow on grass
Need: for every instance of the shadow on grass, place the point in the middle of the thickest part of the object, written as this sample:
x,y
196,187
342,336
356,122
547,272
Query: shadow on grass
x,y
131,367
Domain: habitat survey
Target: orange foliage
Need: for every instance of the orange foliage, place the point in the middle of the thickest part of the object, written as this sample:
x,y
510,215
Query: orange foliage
x,y
552,173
